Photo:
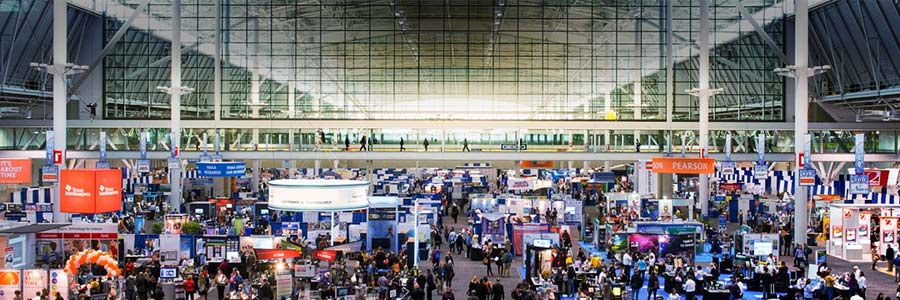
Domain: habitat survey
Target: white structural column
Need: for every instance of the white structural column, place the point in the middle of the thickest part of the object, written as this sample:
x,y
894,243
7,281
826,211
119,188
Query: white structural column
x,y
801,72
670,63
60,35
175,175
175,91
292,87
704,92
801,106
217,65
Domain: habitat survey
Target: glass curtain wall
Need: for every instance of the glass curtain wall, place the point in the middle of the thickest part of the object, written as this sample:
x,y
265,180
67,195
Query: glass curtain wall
x,y
427,60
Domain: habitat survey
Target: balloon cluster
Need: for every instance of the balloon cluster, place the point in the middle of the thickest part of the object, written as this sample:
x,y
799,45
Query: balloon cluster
x,y
93,257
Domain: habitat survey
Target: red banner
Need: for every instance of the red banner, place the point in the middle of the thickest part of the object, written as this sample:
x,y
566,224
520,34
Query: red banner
x,y
326,255
277,254
730,187
90,191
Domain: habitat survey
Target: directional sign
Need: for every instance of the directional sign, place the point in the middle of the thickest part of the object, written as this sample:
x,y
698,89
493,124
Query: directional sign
x,y
728,167
522,147
50,173
859,184
143,166
807,177
760,172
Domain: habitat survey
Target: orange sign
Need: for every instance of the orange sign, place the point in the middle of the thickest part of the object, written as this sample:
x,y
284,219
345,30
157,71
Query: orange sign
x,y
536,164
683,165
15,171
90,190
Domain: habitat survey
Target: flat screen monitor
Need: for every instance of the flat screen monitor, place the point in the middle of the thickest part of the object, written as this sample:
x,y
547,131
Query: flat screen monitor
x,y
762,248
168,273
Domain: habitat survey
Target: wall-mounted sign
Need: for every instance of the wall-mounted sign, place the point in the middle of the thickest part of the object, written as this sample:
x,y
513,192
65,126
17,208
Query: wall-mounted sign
x,y
807,177
684,165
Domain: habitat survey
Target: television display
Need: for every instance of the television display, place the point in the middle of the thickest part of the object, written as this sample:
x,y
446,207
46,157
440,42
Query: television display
x,y
619,242
645,243
677,244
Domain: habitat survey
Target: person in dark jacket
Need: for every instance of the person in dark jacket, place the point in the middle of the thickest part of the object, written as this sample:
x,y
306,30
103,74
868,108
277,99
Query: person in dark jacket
x,y
636,284
889,254
425,144
401,145
347,143
430,285
498,293
417,293
652,285
265,292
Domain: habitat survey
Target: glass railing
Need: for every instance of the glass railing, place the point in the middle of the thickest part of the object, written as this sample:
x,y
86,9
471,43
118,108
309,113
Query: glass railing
x,y
545,140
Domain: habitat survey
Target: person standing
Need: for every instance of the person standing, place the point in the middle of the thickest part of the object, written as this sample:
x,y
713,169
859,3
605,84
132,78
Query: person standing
x,y
875,257
401,145
466,145
690,287
221,283
425,144
189,287
347,143
637,283
896,263
652,285
363,143
203,283
497,291
889,255
429,284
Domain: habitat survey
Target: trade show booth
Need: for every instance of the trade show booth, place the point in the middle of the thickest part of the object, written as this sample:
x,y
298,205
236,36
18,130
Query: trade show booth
x,y
850,228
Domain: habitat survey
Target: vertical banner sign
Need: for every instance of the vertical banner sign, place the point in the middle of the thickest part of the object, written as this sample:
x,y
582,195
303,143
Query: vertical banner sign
x,y
205,156
143,164
761,149
59,283
728,165
102,164
50,146
49,171
859,182
760,170
859,161
728,147
103,146
143,145
807,151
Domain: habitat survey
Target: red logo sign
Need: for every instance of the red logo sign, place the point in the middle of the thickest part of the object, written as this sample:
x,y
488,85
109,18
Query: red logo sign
x,y
847,213
90,191
326,255
800,160
57,157
877,177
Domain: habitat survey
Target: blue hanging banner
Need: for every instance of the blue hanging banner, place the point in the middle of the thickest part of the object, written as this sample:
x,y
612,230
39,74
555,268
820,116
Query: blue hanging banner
x,y
807,151
859,163
221,169
143,147
102,148
49,146
761,149
727,147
